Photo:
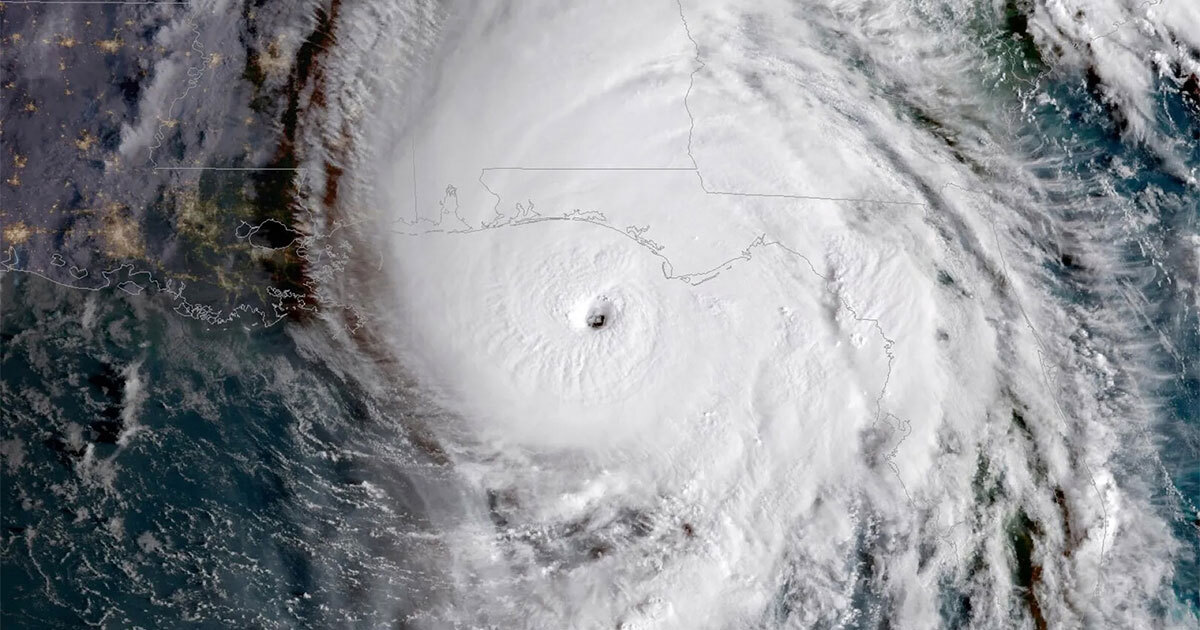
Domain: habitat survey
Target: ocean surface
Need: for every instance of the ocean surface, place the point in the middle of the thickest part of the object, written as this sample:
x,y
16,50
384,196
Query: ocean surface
x,y
416,445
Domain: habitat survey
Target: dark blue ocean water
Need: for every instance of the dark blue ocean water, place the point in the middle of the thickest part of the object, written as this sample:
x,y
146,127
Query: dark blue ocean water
x,y
1120,187
1108,191
243,484
239,502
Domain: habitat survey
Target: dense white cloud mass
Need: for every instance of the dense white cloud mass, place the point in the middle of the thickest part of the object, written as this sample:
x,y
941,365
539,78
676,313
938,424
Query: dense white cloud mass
x,y
831,383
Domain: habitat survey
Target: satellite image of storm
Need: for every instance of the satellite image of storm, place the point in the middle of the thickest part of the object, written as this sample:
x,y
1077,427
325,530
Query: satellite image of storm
x,y
600,314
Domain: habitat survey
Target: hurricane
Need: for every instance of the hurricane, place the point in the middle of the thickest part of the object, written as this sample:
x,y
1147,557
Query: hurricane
x,y
678,314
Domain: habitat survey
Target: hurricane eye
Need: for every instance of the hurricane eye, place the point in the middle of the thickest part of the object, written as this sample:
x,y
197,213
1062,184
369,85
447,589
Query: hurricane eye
x,y
599,314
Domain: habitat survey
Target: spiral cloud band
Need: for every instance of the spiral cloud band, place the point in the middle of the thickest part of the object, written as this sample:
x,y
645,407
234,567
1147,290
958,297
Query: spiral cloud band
x,y
734,320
